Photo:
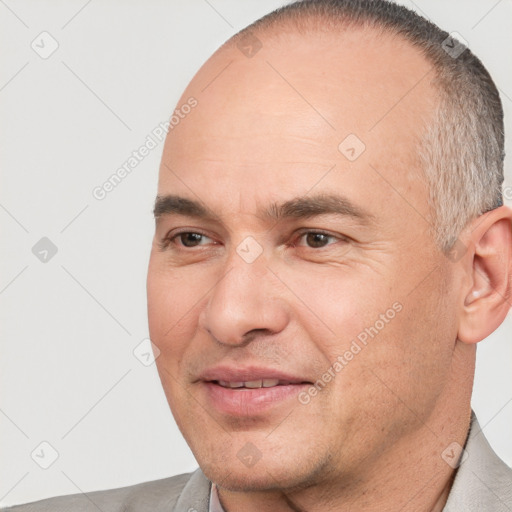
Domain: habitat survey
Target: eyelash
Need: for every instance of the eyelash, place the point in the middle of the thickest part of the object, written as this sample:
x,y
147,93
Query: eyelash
x,y
301,234
171,240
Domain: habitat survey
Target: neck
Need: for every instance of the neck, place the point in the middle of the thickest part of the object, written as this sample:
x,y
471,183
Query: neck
x,y
411,476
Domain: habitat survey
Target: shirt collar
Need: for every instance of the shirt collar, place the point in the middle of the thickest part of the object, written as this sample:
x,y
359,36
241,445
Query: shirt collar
x,y
215,505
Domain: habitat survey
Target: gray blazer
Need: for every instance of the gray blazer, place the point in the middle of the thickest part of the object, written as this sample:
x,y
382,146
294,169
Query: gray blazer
x,y
483,483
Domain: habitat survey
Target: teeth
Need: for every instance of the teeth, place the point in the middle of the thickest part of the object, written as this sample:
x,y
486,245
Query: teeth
x,y
227,384
251,384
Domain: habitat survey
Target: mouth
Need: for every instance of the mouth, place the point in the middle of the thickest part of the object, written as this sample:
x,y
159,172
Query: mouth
x,y
250,392
254,384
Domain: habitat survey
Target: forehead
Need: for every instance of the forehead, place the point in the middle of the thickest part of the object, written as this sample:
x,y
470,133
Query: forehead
x,y
280,121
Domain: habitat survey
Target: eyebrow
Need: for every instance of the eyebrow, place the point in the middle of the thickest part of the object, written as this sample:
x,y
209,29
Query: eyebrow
x,y
302,207
172,204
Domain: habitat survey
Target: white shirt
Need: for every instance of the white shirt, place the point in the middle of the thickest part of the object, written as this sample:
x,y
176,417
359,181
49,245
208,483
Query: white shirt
x,y
215,505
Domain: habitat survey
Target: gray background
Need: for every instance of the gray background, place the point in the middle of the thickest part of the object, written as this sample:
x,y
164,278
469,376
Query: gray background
x,y
69,325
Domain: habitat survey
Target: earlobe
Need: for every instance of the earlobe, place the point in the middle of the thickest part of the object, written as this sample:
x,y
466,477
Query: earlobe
x,y
488,299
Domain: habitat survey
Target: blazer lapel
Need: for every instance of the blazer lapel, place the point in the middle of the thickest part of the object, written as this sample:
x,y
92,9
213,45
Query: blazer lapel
x,y
195,495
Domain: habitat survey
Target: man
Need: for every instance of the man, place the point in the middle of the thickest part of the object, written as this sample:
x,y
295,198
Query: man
x,y
330,246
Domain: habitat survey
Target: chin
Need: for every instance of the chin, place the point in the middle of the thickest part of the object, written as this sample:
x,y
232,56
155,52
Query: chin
x,y
267,474
250,480
244,482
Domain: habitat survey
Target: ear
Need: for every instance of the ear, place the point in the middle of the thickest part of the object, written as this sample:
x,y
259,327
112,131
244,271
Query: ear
x,y
488,298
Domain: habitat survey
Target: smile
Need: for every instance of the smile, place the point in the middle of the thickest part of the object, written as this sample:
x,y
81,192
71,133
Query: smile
x,y
252,384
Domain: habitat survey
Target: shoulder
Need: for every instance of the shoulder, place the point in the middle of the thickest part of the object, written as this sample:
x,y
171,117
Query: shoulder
x,y
483,481
155,496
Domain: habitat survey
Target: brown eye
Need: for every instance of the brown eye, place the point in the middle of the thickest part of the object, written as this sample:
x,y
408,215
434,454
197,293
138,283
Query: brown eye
x,y
182,241
317,240
190,239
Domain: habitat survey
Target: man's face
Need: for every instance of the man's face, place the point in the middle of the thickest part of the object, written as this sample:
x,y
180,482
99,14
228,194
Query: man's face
x,y
345,313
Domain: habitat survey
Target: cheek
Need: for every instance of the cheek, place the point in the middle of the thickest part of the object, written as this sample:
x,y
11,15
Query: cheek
x,y
172,307
390,345
403,368
333,305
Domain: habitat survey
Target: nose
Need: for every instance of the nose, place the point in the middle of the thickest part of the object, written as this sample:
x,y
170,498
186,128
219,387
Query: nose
x,y
245,303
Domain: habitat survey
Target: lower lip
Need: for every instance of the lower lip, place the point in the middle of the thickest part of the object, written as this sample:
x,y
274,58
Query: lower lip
x,y
250,402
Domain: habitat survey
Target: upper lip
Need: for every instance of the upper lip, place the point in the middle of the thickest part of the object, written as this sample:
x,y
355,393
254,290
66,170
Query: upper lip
x,y
247,374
